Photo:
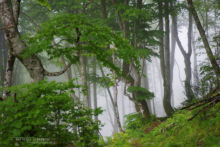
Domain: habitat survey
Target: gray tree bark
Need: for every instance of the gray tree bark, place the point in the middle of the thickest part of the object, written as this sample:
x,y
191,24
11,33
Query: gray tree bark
x,y
167,85
114,102
9,18
95,88
165,57
173,49
204,39
187,56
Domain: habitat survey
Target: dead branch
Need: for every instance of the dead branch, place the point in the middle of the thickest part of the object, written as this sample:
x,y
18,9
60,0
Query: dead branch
x,y
214,101
205,99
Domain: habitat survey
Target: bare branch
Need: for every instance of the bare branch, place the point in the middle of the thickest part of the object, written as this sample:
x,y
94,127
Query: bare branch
x,y
178,40
46,73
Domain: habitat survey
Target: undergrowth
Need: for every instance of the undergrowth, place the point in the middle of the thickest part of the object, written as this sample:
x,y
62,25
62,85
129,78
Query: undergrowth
x,y
177,131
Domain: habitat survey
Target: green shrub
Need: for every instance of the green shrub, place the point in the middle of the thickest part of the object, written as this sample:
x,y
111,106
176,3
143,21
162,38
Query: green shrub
x,y
135,121
44,114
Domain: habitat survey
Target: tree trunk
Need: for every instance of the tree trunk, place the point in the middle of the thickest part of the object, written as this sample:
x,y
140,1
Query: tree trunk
x,y
195,67
115,93
114,102
187,56
9,20
204,39
124,27
161,47
167,85
95,88
173,49
188,69
83,75
14,42
165,57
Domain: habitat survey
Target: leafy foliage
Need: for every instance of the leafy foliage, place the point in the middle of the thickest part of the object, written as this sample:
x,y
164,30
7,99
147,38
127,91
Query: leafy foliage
x,y
136,121
106,81
44,3
141,93
208,80
74,35
46,110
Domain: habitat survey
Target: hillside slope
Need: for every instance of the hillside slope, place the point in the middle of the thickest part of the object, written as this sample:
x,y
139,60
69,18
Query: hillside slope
x,y
177,131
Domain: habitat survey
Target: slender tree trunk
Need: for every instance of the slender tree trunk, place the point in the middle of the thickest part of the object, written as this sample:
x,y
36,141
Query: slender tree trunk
x,y
204,39
188,69
187,61
114,126
165,57
195,70
83,75
173,49
154,86
145,82
95,88
115,93
123,107
113,101
167,85
161,25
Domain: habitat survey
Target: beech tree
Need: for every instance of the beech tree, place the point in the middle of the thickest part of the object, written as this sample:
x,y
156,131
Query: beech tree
x,y
9,18
164,8
187,57
204,38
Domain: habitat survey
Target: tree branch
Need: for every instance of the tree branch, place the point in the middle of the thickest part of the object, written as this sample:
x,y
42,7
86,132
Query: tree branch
x,y
178,40
46,73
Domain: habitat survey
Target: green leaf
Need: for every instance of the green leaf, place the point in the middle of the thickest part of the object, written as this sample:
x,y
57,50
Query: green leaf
x,y
44,3
140,93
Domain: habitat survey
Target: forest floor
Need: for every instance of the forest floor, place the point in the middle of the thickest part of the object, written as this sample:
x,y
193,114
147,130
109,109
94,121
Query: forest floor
x,y
186,128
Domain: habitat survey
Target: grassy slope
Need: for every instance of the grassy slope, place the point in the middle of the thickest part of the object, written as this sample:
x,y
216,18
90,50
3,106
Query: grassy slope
x,y
203,130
